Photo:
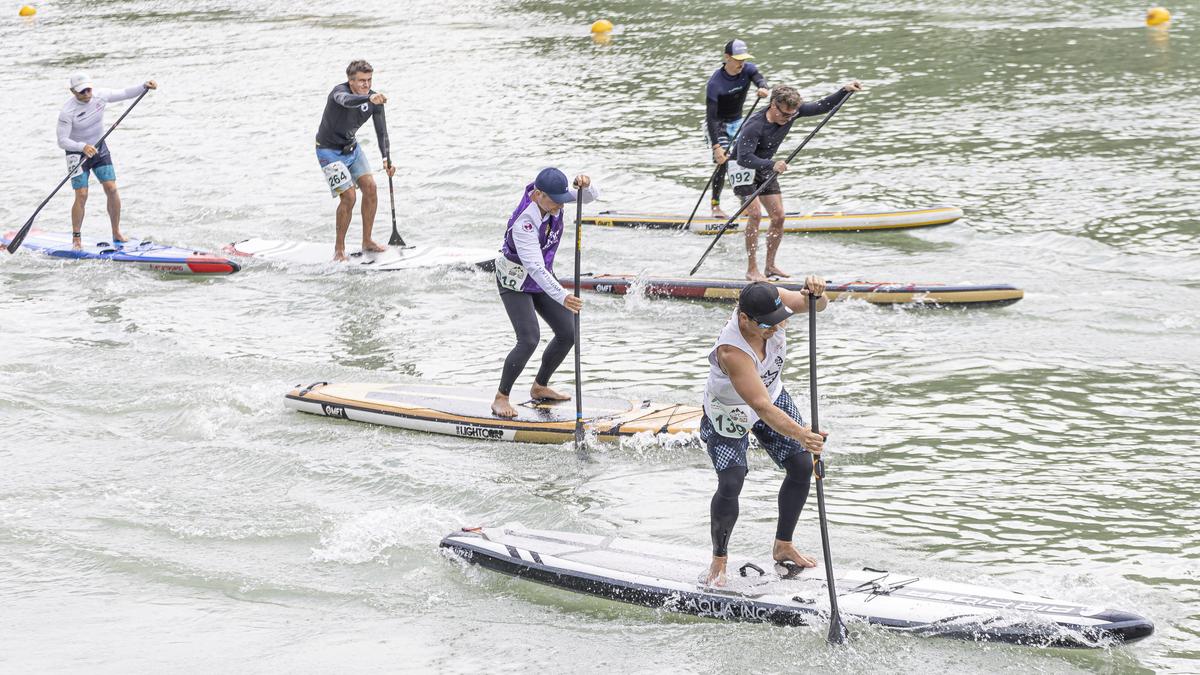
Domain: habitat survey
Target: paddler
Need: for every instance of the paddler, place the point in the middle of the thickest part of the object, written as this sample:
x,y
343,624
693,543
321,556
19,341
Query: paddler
x,y
80,126
528,287
348,106
744,394
723,101
753,166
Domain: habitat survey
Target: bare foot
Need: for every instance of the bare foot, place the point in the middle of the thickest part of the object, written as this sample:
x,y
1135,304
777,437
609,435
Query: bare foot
x,y
540,391
716,575
718,213
118,238
369,245
773,271
339,255
753,274
783,550
502,408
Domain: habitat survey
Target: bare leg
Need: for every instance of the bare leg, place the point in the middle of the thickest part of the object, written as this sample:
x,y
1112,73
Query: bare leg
x,y
345,211
77,211
370,203
501,407
774,204
784,551
114,208
753,216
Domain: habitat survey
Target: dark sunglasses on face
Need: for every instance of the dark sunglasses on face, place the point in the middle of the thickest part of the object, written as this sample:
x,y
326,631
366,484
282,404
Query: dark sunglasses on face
x,y
788,115
84,92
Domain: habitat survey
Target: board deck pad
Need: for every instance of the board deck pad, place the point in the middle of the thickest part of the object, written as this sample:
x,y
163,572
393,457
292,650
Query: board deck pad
x,y
815,221
394,258
465,411
666,576
874,292
139,253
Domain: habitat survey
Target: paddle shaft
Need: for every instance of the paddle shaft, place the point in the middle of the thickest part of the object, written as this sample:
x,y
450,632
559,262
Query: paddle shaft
x,y
750,200
837,629
396,239
713,177
24,231
578,364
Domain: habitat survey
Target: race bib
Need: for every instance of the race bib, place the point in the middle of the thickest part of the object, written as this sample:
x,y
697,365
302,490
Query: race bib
x,y
75,164
511,275
338,177
739,175
731,421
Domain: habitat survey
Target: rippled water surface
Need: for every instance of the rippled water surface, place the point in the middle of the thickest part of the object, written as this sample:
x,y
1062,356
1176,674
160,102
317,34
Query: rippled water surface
x,y
159,508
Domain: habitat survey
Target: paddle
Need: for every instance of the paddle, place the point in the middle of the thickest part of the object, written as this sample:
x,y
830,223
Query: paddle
x,y
24,231
396,239
714,173
578,366
837,629
754,196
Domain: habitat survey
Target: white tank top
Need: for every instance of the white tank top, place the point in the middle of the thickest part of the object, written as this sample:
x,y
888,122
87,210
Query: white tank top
x,y
719,395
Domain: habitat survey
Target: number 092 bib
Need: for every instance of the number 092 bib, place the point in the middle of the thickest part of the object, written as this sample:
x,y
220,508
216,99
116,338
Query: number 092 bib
x,y
740,176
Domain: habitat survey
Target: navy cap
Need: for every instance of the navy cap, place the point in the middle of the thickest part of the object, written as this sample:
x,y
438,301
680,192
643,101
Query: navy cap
x,y
761,302
738,50
555,184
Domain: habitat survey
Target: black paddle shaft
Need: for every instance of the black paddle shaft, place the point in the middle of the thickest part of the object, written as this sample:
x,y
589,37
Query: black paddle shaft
x,y
713,177
578,364
396,239
749,200
837,629
24,231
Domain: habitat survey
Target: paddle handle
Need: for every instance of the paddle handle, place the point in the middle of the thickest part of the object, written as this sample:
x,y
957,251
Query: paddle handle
x,y
24,231
749,200
837,630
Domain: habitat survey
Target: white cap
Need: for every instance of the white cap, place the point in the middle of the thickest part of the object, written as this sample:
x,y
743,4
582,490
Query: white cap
x,y
80,81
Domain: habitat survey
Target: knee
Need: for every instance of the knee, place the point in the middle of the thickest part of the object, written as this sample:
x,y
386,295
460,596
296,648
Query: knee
x,y
110,189
347,199
799,467
527,339
81,196
730,481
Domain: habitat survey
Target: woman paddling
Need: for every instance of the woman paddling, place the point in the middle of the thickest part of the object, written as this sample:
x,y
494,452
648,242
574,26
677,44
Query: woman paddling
x,y
528,287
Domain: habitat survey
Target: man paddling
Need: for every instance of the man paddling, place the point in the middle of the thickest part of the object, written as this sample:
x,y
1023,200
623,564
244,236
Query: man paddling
x,y
346,168
80,126
528,287
761,137
744,394
723,101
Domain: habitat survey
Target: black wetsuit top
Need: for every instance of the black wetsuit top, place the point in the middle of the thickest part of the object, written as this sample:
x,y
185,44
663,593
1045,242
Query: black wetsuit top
x,y
760,140
725,96
344,113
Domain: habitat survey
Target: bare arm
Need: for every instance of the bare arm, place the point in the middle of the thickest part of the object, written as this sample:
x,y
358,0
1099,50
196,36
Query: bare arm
x,y
797,301
740,368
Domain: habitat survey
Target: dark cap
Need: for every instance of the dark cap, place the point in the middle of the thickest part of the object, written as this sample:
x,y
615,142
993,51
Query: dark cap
x,y
761,302
555,184
737,50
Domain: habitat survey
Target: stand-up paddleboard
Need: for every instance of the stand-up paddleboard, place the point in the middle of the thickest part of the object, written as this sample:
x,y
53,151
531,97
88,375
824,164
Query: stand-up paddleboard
x,y
874,292
143,254
666,576
463,411
394,258
816,221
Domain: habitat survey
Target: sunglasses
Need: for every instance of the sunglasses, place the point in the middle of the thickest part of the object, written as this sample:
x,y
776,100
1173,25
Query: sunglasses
x,y
84,92
788,115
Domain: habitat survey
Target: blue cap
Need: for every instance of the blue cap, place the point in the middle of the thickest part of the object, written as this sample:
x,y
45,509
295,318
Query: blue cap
x,y
555,184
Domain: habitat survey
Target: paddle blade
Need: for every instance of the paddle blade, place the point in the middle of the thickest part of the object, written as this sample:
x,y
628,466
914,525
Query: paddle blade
x,y
838,635
20,236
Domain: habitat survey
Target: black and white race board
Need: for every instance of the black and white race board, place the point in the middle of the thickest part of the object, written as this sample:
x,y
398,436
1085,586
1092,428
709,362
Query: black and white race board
x,y
394,258
666,576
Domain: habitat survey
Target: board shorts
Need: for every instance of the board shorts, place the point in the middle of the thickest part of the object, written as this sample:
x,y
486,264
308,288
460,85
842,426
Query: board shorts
x,y
726,452
730,129
772,188
342,170
101,164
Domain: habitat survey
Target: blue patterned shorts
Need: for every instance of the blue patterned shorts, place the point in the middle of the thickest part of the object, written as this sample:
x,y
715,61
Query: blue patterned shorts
x,y
726,452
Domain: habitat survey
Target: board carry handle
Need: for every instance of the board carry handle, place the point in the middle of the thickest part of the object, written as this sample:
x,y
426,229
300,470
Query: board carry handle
x,y
309,388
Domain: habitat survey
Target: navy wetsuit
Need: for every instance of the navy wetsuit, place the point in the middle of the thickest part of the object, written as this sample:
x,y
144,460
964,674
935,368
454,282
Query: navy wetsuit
x,y
723,102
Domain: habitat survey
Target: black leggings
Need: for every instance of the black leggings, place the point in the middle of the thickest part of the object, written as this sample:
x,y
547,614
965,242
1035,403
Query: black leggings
x,y
723,509
719,182
521,308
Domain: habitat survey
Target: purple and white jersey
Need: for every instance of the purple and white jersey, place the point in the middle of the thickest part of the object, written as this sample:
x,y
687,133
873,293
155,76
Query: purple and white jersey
x,y
532,240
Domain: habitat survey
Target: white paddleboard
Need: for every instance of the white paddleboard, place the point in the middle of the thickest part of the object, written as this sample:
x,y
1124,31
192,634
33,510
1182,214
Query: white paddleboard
x,y
666,576
394,258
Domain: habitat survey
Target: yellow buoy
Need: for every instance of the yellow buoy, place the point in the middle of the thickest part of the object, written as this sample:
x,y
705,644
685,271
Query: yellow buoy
x,y
602,26
1157,16
26,10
